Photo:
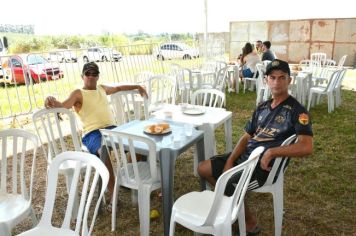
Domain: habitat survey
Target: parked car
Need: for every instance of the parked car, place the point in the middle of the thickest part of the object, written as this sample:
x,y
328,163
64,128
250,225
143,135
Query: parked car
x,y
27,68
101,54
62,56
175,50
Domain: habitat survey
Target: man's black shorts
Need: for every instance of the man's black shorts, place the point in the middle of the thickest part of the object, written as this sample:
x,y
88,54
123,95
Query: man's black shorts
x,y
258,178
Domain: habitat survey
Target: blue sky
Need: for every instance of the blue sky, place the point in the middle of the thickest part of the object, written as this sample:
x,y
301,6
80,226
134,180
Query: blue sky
x,y
157,16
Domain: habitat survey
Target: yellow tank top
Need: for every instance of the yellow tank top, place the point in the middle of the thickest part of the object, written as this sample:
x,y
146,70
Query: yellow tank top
x,y
95,112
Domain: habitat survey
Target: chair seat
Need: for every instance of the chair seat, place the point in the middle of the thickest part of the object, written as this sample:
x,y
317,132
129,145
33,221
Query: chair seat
x,y
51,231
11,206
193,208
318,89
144,172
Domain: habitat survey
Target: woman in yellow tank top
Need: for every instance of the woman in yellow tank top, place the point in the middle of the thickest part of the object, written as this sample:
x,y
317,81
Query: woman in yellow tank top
x,y
91,105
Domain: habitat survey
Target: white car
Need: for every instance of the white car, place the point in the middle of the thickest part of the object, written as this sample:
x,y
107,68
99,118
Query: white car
x,y
175,50
101,54
62,56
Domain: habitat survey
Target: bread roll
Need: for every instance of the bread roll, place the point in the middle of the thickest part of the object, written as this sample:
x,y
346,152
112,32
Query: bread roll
x,y
158,129
151,128
164,126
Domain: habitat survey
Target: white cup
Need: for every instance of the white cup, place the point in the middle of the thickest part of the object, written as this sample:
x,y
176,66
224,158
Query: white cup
x,y
168,114
188,129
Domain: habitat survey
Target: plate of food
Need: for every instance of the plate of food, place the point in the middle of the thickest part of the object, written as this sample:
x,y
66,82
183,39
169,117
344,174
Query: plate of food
x,y
158,129
194,111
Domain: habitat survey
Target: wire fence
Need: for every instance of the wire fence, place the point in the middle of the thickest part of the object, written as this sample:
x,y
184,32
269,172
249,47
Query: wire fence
x,y
26,80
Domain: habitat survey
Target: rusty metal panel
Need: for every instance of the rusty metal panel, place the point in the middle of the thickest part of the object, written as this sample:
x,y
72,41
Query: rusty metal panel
x,y
258,31
298,52
279,31
323,30
345,30
345,49
239,31
235,50
281,51
299,31
322,47
296,39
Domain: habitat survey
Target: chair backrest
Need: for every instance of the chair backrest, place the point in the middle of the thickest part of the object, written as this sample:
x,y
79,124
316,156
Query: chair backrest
x,y
52,127
183,76
220,64
142,77
340,65
209,97
14,143
235,201
266,62
280,163
220,80
332,82
320,57
261,75
324,71
340,78
95,169
131,143
209,66
129,105
161,89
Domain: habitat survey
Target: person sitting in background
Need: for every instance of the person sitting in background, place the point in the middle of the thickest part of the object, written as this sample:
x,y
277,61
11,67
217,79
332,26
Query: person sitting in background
x,y
91,105
259,49
249,61
267,53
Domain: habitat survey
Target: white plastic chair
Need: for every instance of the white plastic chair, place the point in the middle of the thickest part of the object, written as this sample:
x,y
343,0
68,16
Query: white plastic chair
x,y
262,89
321,90
209,97
275,186
161,89
337,88
320,57
252,81
184,79
15,195
221,79
208,74
129,105
142,77
340,64
94,171
143,176
53,127
213,213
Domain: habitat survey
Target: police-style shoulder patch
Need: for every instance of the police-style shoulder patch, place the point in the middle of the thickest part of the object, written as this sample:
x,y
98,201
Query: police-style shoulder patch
x,y
303,118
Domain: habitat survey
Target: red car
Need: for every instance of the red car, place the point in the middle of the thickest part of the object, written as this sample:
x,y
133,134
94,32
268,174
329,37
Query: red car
x,y
27,68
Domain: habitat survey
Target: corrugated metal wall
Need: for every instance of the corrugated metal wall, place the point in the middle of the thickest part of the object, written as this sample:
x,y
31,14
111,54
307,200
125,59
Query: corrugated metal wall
x,y
294,40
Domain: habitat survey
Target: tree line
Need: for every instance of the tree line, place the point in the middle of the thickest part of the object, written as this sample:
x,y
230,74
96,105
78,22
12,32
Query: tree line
x,y
20,29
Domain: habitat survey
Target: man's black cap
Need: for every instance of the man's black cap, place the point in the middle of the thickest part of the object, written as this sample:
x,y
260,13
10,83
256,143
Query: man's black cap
x,y
277,64
91,66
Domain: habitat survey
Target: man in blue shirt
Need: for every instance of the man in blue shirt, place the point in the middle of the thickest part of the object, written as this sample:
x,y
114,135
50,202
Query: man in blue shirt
x,y
272,122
